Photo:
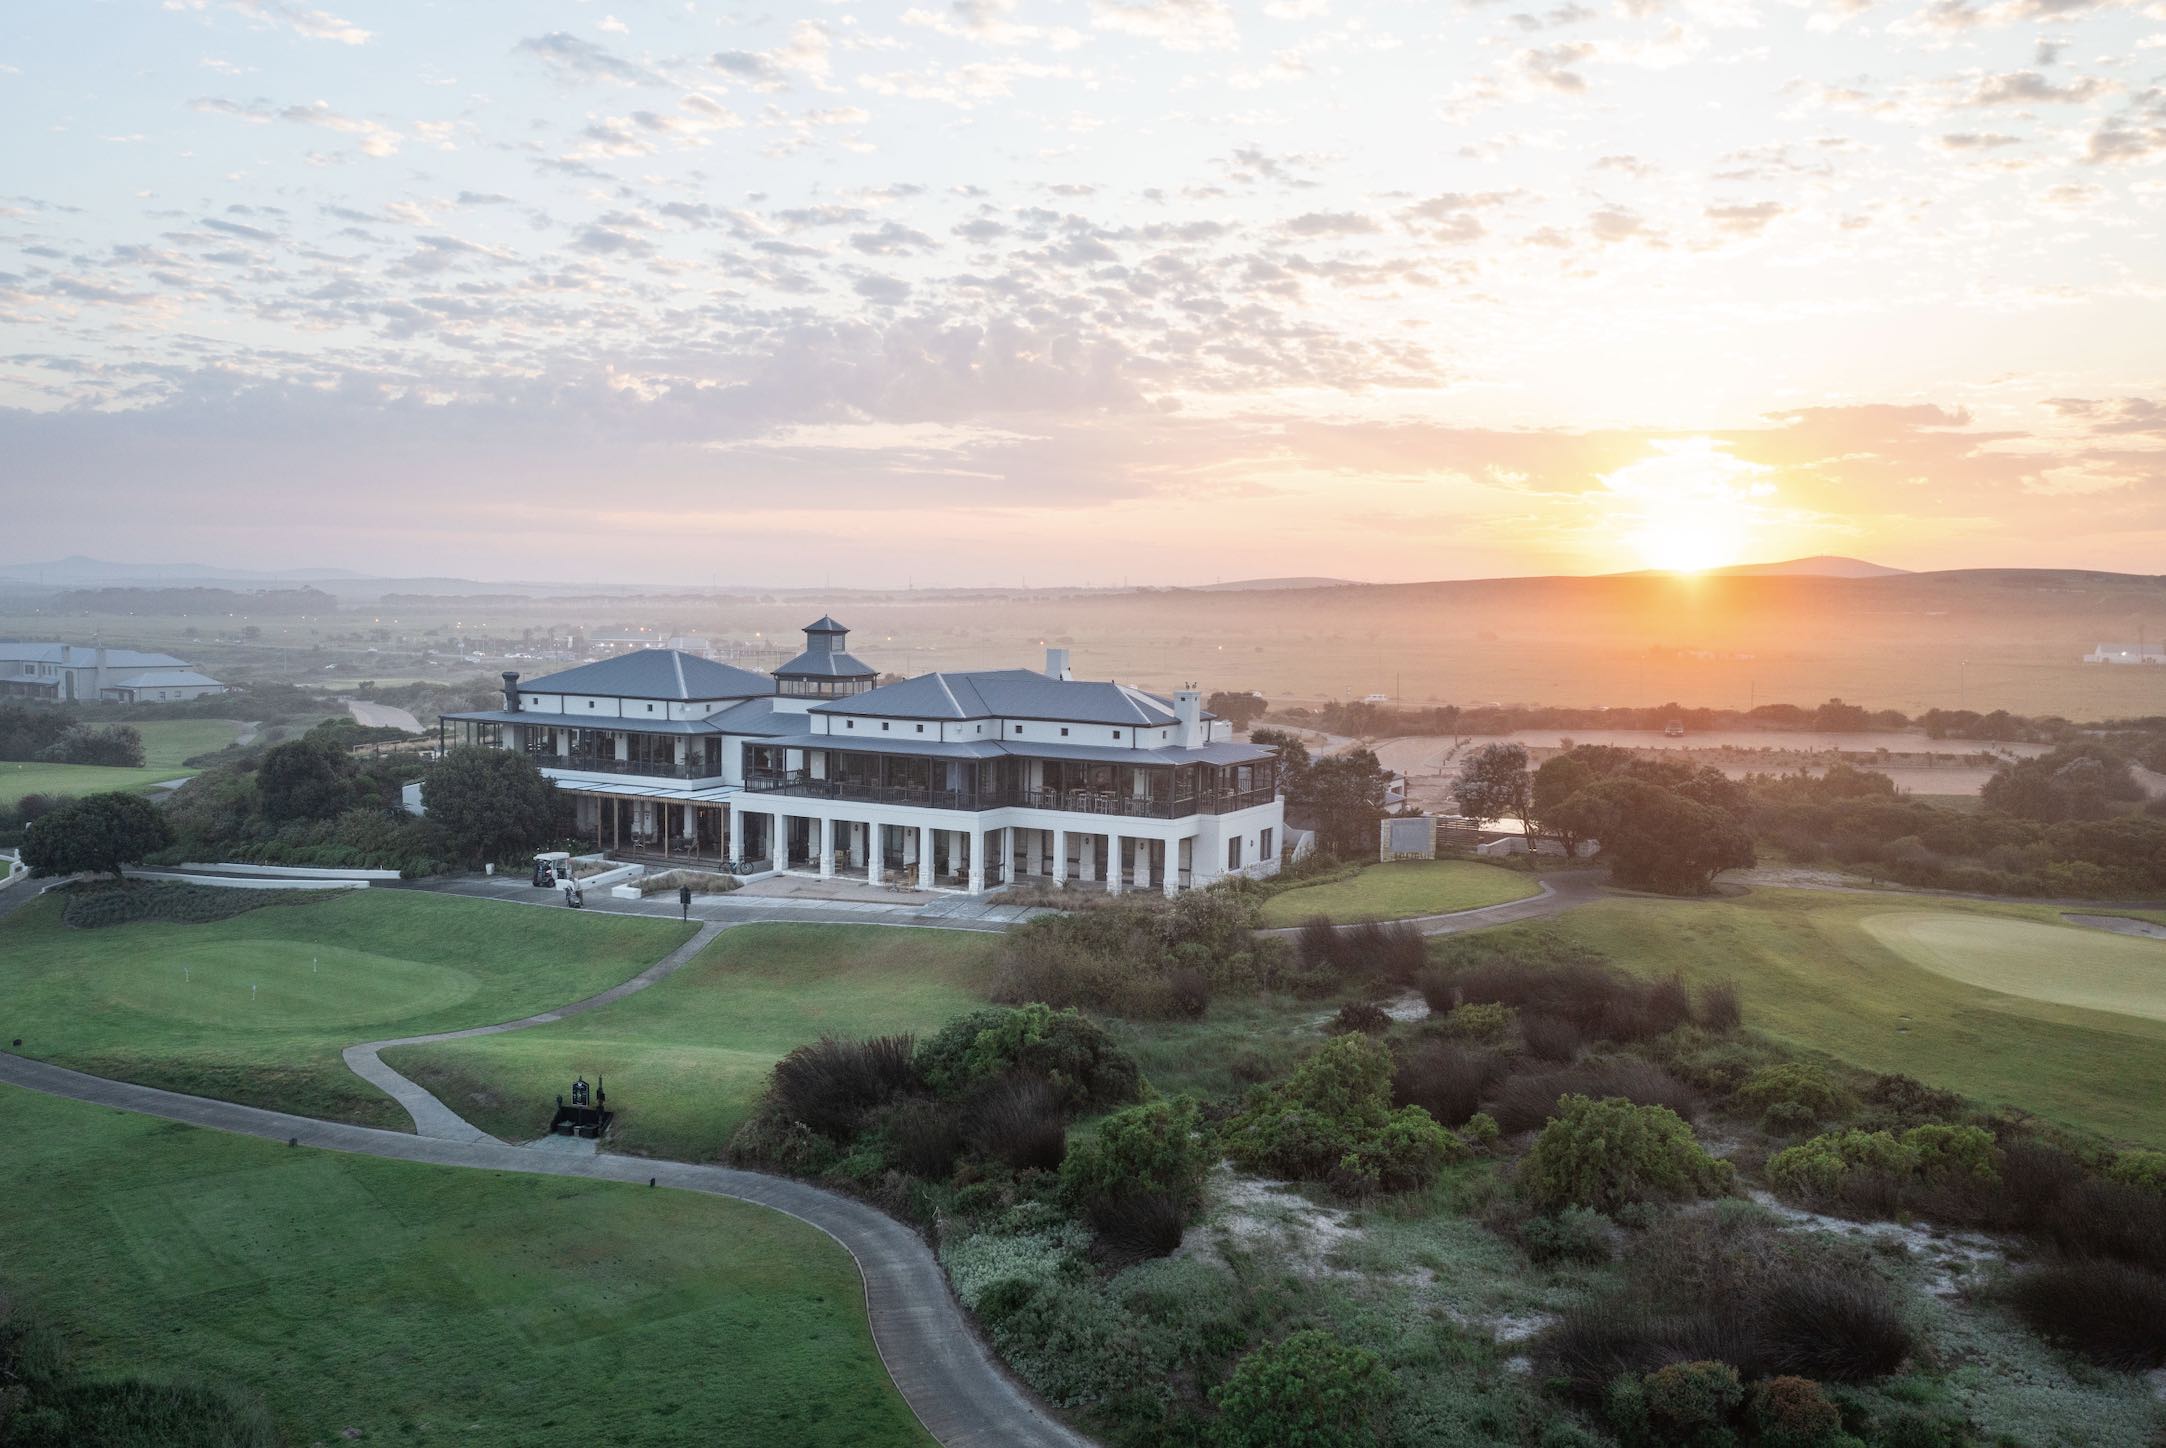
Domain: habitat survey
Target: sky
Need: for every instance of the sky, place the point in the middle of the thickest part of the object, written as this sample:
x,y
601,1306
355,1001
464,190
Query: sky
x,y
1086,291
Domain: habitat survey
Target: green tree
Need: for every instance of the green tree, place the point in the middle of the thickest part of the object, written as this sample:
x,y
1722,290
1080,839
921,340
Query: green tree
x,y
1493,784
1610,1153
1241,707
1655,838
1308,1391
2074,782
304,780
1157,1148
492,804
1343,794
1293,758
97,832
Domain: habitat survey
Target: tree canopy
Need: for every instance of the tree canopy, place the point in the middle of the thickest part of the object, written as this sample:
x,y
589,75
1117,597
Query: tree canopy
x,y
1655,838
492,804
1343,794
1493,784
100,832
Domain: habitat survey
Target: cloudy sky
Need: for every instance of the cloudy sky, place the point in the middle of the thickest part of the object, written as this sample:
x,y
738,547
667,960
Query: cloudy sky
x,y
1163,290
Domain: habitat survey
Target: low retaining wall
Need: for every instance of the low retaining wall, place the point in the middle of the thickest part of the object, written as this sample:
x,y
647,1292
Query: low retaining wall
x,y
234,882
314,872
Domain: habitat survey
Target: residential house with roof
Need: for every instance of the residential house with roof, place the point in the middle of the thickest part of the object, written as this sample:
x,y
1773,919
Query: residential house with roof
x,y
956,780
69,673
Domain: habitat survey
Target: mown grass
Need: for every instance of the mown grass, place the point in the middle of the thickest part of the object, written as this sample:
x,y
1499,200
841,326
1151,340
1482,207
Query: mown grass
x,y
1814,976
433,1305
166,743
257,1008
1399,889
684,1061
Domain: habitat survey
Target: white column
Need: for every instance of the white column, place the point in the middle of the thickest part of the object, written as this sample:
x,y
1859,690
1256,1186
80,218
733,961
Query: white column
x,y
1007,855
729,832
857,843
925,857
977,860
872,852
1173,868
1113,864
1086,857
827,847
1060,856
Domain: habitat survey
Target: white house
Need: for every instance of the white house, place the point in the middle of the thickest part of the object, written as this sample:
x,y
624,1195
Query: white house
x,y
965,781
71,672
2127,654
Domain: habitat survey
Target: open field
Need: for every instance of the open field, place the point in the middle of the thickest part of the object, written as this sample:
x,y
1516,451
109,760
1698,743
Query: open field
x,y
1399,889
430,1305
1814,973
2093,969
166,742
257,1008
685,1060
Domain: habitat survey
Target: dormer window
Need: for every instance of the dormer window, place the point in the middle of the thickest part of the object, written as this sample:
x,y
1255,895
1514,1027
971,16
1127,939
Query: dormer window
x,y
849,723
883,724
650,708
1018,728
1064,731
921,728
1116,734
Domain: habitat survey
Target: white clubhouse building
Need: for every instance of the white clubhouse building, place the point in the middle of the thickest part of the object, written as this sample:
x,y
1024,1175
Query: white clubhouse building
x,y
954,781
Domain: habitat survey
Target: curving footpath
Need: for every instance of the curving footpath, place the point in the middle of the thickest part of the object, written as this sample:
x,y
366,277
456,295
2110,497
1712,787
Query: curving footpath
x,y
1554,895
951,1383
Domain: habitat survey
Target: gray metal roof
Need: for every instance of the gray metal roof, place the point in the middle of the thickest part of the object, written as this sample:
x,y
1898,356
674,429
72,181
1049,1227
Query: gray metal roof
x,y
171,678
1010,693
654,674
83,656
630,724
757,717
826,664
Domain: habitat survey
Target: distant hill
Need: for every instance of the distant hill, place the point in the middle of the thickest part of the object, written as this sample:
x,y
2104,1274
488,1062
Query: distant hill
x,y
1820,565
76,569
1258,585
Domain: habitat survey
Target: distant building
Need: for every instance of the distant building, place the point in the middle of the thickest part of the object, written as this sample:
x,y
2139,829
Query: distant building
x,y
2127,654
965,781
71,673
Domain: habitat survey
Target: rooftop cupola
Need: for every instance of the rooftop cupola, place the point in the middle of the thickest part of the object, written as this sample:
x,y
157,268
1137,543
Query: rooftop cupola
x,y
826,669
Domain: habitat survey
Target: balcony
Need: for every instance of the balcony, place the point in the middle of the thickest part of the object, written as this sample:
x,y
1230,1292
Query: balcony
x,y
798,784
610,764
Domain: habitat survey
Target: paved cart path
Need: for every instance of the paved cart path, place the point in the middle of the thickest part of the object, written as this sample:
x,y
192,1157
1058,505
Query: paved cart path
x,y
943,1372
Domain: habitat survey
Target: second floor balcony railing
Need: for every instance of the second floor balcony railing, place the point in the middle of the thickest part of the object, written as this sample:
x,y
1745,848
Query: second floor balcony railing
x,y
798,783
610,764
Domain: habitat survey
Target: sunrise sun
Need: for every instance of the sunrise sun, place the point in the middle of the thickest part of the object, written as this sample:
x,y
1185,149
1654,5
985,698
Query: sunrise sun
x,y
1691,506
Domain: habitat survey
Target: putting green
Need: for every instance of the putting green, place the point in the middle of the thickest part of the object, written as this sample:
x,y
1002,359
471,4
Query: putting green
x,y
2059,964
279,984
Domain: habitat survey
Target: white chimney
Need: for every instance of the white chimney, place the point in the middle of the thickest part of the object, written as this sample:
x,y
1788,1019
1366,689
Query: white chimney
x,y
1188,708
1056,664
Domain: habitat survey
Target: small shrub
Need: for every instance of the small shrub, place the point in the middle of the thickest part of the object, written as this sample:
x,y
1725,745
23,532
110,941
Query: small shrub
x,y
1717,1007
1445,1080
1309,1390
832,1083
1791,1412
1550,1038
1904,1101
1880,1172
2112,1313
1487,1023
1067,1050
1332,1120
924,1138
1402,953
1788,1118
1835,1328
1017,1120
1606,1154
1688,1404
92,905
1137,1226
1524,1102
2137,1168
1798,1085
1318,943
1480,1131
1361,1016
1572,1235
1158,1148
1190,991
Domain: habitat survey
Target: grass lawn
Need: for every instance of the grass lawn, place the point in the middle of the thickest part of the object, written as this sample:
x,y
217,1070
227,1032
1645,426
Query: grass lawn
x,y
166,742
1817,970
684,1061
1399,889
434,1305
257,1008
